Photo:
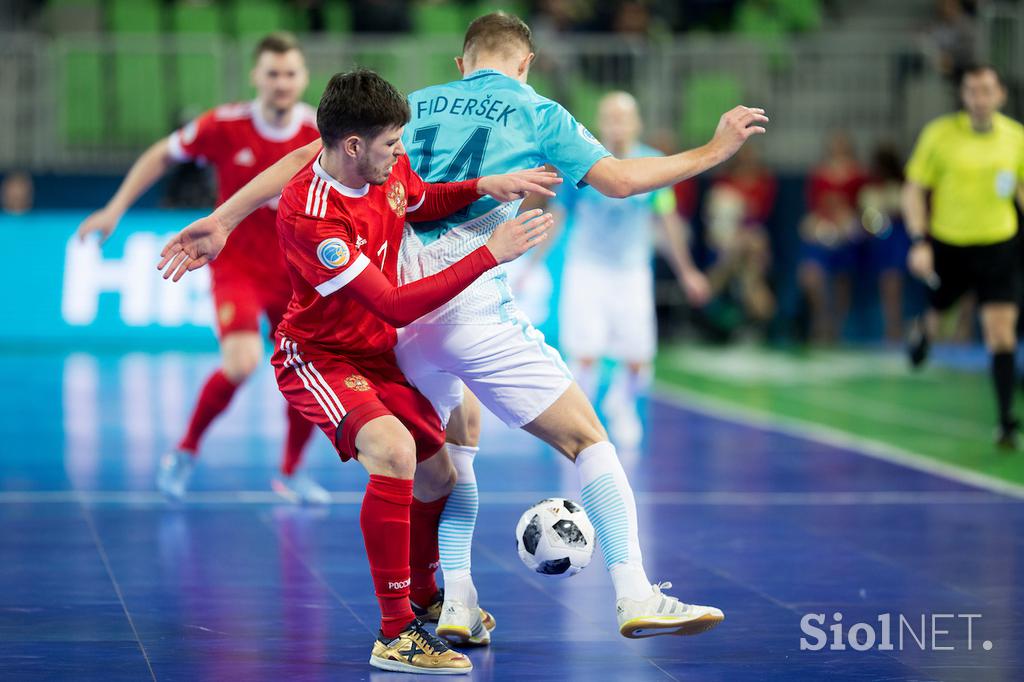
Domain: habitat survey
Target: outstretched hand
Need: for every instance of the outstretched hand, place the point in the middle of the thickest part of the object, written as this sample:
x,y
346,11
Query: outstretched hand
x,y
515,186
736,127
192,248
515,237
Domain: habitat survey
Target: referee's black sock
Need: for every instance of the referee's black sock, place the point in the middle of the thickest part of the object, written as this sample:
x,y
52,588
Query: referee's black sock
x,y
1004,370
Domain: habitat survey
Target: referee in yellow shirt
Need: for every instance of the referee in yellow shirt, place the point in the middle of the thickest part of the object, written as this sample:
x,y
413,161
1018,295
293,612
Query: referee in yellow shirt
x,y
972,163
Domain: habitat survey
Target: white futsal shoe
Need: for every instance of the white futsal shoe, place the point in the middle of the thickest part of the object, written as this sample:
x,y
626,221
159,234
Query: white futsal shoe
x,y
175,471
462,625
300,488
661,614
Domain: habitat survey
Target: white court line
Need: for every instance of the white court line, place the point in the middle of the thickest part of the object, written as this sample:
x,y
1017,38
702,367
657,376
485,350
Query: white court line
x,y
714,498
799,428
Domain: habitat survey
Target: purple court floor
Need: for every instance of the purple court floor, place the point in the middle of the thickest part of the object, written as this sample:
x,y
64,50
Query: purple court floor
x,y
100,579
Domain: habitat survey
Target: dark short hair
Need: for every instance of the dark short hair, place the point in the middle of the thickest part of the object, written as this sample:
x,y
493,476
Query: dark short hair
x,y
360,103
977,70
278,42
497,32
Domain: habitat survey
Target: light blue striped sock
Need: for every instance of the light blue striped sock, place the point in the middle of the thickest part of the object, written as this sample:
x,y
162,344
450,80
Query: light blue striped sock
x,y
609,502
455,532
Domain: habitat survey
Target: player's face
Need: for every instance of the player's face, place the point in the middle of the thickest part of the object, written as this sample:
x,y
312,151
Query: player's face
x,y
618,122
379,155
280,79
983,95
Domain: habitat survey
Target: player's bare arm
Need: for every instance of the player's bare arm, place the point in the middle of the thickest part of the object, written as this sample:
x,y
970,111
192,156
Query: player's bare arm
x,y
692,280
621,178
146,170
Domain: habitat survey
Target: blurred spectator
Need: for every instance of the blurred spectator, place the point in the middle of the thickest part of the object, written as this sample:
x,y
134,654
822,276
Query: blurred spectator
x,y
736,212
885,244
827,233
954,38
17,193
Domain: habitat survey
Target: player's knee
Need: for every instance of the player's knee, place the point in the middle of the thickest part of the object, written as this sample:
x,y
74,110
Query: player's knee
x,y
397,456
464,426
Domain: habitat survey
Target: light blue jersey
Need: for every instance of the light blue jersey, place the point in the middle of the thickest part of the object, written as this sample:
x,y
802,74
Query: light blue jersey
x,y
485,124
611,232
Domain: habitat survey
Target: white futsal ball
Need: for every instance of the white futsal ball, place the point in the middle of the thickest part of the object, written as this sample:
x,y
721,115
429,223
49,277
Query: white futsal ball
x,y
555,537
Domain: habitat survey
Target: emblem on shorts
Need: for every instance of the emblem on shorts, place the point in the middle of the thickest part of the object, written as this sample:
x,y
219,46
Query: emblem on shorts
x,y
226,314
333,252
357,383
397,199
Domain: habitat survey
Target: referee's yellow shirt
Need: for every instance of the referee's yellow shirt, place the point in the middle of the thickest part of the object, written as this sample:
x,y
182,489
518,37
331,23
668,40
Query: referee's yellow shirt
x,y
973,178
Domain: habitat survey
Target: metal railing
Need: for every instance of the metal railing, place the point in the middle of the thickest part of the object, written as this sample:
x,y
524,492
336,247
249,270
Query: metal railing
x,y
94,103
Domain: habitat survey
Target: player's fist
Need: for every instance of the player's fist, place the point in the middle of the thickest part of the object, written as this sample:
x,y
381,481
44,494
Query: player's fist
x,y
736,127
192,248
696,287
102,222
515,237
515,186
921,263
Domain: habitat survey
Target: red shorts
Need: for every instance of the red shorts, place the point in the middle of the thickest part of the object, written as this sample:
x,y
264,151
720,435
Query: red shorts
x,y
240,296
341,395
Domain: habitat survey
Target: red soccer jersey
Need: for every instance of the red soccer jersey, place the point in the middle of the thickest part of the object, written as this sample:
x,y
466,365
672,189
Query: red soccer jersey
x,y
329,234
240,144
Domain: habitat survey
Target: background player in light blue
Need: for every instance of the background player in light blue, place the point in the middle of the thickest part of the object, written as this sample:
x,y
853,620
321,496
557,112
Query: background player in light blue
x,y
480,338
607,303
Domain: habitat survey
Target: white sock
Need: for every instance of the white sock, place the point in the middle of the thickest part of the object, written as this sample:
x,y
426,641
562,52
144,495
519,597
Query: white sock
x,y
455,532
609,502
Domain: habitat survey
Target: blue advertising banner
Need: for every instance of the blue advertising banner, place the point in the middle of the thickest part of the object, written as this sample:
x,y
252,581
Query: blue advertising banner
x,y
60,291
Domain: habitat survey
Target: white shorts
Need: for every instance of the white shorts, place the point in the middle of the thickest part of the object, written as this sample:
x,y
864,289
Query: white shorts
x,y
508,366
607,312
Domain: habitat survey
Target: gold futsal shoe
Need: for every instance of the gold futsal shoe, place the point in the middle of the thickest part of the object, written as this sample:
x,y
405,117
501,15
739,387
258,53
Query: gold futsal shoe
x,y
415,650
662,614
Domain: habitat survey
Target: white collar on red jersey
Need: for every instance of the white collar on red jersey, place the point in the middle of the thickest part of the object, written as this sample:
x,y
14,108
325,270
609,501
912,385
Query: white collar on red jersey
x,y
276,133
342,189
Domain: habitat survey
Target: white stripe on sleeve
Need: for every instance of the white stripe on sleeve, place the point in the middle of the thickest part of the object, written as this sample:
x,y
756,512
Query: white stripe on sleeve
x,y
350,273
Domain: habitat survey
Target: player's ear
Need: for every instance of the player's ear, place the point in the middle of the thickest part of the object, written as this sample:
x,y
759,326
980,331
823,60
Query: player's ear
x,y
350,146
524,65
461,64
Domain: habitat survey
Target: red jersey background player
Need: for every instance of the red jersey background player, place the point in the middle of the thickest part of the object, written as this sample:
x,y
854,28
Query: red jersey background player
x,y
340,222
239,140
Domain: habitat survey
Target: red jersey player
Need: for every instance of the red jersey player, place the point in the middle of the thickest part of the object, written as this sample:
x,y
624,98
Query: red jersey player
x,y
340,222
239,140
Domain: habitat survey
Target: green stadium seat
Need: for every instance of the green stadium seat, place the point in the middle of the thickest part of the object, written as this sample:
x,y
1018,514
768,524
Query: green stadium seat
x,y
338,17
198,70
196,18
134,16
430,18
82,116
140,97
256,18
800,15
705,98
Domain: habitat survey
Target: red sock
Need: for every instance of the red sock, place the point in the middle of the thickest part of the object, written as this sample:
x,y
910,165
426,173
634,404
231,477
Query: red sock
x,y
299,431
213,399
423,554
384,519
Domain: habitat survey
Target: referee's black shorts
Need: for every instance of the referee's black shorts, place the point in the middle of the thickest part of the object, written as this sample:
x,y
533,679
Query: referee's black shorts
x,y
992,271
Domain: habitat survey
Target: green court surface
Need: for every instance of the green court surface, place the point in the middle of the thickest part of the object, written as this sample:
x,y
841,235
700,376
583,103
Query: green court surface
x,y
944,416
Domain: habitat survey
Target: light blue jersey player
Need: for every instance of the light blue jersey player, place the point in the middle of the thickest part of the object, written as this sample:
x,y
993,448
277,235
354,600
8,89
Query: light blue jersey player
x,y
489,121
607,302
492,121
